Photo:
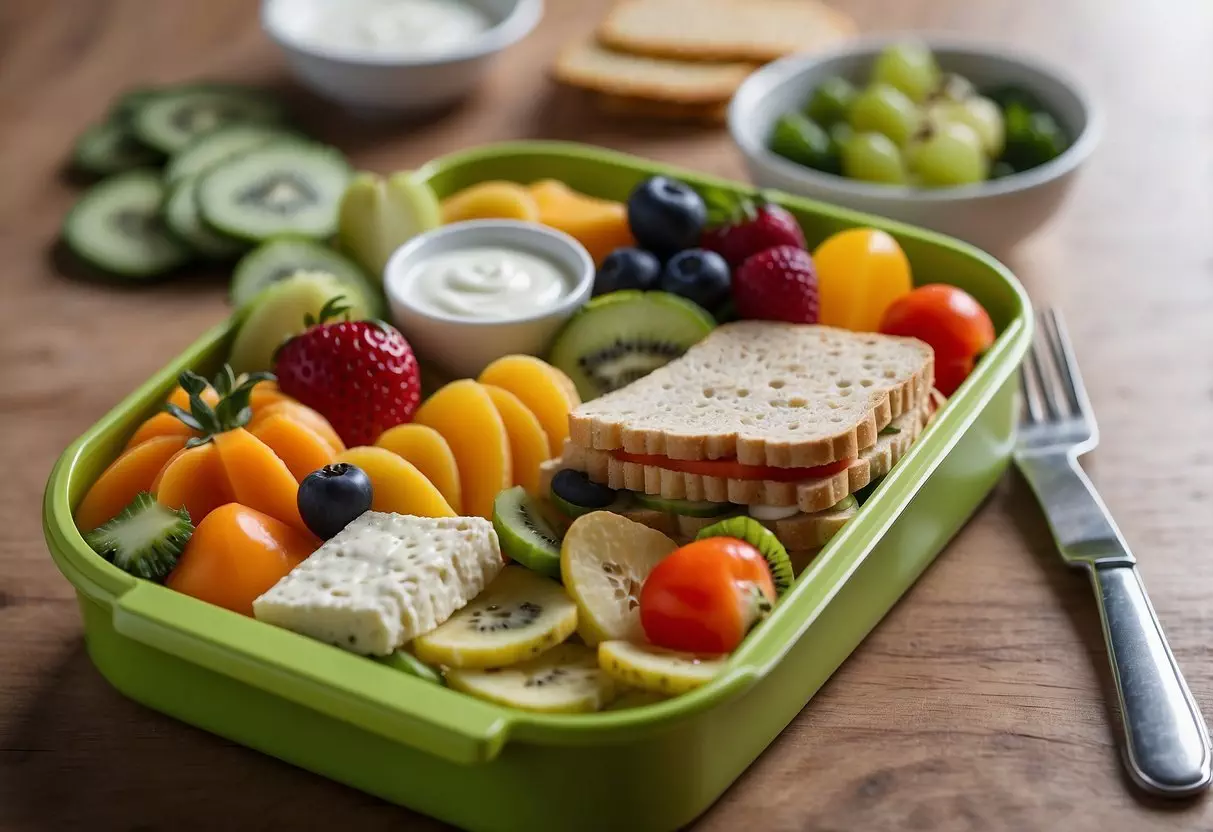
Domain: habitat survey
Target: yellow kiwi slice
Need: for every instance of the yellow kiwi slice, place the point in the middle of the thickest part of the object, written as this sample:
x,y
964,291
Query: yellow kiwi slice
x,y
565,679
667,672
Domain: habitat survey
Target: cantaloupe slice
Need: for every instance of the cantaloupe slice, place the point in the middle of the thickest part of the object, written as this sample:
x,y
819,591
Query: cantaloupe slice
x,y
134,471
429,452
398,487
257,477
162,424
528,441
601,225
194,480
546,391
182,399
301,448
465,416
304,415
266,393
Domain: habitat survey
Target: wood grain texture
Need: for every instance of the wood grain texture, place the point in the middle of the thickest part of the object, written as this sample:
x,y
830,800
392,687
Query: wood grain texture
x,y
978,704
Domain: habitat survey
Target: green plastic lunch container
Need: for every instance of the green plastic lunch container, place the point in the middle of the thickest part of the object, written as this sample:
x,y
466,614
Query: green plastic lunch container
x,y
420,745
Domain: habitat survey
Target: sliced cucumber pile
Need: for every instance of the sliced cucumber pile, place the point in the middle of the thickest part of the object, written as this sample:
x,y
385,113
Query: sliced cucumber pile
x,y
282,188
261,178
117,227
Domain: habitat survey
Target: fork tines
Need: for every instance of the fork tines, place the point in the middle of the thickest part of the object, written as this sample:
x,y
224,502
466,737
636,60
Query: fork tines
x,y
1052,385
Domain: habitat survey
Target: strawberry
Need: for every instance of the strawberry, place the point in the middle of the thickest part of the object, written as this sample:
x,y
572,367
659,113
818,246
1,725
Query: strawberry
x,y
361,375
779,284
749,228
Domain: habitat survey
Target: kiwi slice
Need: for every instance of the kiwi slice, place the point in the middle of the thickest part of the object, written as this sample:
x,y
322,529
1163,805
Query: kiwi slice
x,y
108,148
525,534
762,539
145,539
623,336
565,679
287,187
170,119
116,226
209,149
406,662
574,494
520,615
181,217
650,668
280,257
686,508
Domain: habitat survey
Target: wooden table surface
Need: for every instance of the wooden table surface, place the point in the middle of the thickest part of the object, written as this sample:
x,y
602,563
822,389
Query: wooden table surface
x,y
979,703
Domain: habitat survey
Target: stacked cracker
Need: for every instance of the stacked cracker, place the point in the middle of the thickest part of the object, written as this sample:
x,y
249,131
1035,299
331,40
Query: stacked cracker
x,y
684,59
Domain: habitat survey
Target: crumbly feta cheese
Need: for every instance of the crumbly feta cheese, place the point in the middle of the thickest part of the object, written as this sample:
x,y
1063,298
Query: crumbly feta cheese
x,y
384,580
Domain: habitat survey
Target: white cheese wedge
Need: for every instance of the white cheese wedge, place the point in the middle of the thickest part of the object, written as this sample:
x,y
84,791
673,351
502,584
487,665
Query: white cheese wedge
x,y
384,580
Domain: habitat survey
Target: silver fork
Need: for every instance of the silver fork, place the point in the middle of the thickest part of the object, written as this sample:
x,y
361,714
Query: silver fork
x,y
1166,741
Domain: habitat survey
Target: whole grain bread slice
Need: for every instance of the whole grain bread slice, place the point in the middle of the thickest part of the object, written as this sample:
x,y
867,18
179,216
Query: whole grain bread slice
x,y
808,495
747,30
592,66
765,393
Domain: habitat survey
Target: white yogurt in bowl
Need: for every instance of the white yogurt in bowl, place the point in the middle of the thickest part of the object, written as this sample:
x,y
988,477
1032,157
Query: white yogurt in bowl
x,y
388,28
468,293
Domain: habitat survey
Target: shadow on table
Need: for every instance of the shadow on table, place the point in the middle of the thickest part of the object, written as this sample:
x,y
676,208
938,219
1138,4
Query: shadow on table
x,y
1073,589
84,757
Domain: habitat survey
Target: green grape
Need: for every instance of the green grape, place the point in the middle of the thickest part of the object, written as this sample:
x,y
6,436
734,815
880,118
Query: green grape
x,y
910,67
873,157
1032,137
981,114
829,103
840,134
953,87
805,142
947,154
882,108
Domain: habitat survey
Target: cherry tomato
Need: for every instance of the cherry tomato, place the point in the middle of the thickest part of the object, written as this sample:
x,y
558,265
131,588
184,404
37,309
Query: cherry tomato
x,y
860,272
951,321
734,470
705,596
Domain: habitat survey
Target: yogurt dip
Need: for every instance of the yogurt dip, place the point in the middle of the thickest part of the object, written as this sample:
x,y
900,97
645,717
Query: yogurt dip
x,y
381,28
487,283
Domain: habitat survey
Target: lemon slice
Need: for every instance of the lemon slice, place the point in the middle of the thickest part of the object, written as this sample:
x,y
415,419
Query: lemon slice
x,y
653,669
604,560
520,615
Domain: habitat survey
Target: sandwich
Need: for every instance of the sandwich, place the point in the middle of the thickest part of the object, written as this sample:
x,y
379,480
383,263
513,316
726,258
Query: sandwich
x,y
782,422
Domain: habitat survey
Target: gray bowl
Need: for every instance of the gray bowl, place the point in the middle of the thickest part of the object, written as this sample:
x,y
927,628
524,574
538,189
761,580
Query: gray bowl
x,y
994,215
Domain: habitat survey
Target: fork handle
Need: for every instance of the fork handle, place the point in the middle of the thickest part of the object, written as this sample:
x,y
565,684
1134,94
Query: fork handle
x,y
1166,742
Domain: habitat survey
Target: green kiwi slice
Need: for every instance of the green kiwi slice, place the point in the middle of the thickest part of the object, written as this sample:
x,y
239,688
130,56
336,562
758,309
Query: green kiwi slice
x,y
524,533
762,539
620,337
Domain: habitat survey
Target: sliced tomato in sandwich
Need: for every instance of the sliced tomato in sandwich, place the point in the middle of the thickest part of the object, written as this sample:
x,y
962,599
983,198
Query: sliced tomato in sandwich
x,y
734,470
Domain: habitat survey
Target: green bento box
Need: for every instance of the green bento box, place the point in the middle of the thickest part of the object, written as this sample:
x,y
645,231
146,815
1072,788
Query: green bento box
x,y
485,767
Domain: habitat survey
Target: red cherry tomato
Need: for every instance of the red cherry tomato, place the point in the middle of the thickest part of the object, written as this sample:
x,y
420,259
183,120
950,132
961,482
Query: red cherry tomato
x,y
705,596
951,321
734,470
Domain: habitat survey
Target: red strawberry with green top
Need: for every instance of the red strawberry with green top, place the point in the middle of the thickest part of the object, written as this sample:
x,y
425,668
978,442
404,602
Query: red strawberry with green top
x,y
779,284
360,375
745,227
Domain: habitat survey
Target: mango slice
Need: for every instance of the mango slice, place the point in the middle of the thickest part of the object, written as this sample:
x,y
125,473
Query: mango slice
x,y
429,452
546,391
528,442
492,200
397,484
601,225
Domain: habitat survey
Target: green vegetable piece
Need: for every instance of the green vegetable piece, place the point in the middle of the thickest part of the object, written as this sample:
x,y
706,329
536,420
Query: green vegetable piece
x,y
145,539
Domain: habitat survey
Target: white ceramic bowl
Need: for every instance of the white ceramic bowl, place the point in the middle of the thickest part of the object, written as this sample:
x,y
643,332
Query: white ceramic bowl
x,y
994,215
400,85
465,346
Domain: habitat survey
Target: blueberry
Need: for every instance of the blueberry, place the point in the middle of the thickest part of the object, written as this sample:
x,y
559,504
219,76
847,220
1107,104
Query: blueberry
x,y
666,215
575,495
627,268
333,497
698,275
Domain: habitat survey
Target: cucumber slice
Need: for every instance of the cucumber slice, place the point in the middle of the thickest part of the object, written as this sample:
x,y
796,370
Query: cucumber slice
x,y
107,148
406,662
219,145
181,217
687,508
145,539
281,188
281,257
170,119
116,226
